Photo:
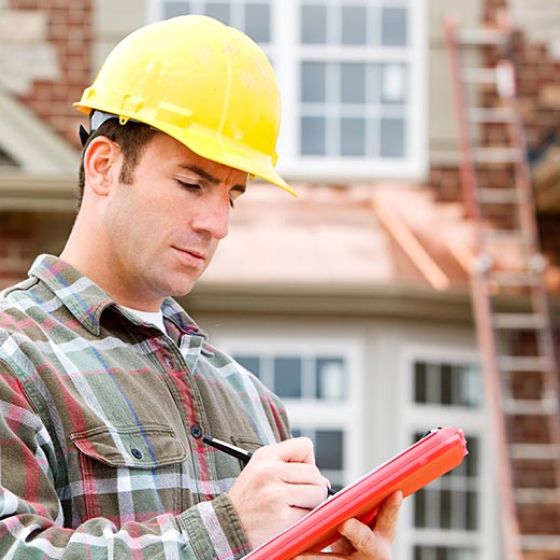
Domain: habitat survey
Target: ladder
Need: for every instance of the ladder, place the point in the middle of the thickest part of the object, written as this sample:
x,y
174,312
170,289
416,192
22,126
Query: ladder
x,y
508,291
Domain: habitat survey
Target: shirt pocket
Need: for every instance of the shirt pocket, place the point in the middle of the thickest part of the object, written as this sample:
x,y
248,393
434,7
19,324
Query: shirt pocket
x,y
127,472
145,447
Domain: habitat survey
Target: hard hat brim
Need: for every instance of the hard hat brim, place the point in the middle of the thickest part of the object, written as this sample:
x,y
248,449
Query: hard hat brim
x,y
210,145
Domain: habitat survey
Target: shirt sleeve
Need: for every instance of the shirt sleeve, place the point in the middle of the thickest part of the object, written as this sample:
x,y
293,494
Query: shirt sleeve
x,y
32,516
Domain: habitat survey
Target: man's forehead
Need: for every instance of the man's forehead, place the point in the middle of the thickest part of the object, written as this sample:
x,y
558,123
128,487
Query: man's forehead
x,y
182,157
208,176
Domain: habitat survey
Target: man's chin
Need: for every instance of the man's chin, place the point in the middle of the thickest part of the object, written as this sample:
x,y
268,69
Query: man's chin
x,y
181,289
177,283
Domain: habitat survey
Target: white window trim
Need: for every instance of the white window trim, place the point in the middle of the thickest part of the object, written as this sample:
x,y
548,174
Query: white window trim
x,y
474,421
285,25
313,414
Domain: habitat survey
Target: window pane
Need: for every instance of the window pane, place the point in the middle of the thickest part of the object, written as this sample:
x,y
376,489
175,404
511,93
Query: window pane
x,y
352,137
420,508
420,382
329,449
173,9
472,459
220,11
313,82
457,398
470,390
392,138
313,136
353,83
374,83
446,383
354,25
393,89
456,384
313,24
445,498
444,553
257,22
331,378
472,510
287,377
394,24
252,363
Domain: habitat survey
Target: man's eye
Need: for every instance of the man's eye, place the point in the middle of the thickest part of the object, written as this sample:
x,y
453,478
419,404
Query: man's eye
x,y
188,186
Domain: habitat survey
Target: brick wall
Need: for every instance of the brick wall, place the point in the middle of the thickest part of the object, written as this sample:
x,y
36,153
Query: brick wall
x,y
18,247
25,235
538,86
540,20
538,89
45,62
68,31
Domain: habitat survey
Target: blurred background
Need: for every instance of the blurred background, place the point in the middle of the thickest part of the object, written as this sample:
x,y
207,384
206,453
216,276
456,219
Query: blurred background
x,y
355,302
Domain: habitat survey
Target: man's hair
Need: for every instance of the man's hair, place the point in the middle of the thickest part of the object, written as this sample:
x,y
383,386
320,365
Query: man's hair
x,y
132,138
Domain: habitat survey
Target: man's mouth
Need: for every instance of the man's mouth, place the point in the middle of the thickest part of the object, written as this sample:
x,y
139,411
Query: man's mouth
x,y
190,256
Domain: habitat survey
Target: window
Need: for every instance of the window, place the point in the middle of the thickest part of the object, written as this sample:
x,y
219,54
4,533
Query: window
x,y
451,502
451,518
318,382
300,377
351,75
444,553
329,452
447,384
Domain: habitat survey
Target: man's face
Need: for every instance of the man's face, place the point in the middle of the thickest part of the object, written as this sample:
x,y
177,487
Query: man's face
x,y
164,228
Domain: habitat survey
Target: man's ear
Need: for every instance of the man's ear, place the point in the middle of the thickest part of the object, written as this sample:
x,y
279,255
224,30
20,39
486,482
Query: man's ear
x,y
102,162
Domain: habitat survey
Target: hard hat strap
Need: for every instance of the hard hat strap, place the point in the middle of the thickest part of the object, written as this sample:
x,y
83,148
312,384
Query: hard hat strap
x,y
84,135
96,119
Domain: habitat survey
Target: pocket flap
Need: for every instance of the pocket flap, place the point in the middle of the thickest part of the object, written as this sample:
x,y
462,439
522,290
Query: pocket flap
x,y
145,447
246,442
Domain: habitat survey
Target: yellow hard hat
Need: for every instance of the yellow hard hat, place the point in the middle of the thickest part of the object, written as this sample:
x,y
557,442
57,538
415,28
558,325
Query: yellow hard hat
x,y
207,85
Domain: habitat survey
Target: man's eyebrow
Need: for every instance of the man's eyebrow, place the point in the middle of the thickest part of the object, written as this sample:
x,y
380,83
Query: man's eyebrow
x,y
210,178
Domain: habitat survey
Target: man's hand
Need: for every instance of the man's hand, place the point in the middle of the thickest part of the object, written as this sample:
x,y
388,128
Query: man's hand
x,y
359,542
278,487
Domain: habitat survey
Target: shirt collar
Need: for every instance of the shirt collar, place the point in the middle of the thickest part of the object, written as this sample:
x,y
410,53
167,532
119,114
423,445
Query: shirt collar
x,y
87,301
177,315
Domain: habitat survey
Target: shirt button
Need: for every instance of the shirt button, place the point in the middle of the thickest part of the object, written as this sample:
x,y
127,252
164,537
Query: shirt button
x,y
168,362
136,453
196,432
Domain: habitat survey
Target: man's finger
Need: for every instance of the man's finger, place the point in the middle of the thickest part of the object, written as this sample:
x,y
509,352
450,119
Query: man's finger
x,y
379,540
386,521
295,450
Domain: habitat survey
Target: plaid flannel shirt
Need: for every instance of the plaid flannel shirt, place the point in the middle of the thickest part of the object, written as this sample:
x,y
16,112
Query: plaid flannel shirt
x,y
101,421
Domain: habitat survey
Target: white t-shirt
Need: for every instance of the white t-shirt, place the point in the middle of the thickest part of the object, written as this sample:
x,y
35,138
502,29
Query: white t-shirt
x,y
152,317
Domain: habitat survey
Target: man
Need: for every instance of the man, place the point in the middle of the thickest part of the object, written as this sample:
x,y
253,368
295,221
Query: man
x,y
106,385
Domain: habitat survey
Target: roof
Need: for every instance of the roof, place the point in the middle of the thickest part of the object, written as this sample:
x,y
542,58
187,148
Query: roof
x,y
361,234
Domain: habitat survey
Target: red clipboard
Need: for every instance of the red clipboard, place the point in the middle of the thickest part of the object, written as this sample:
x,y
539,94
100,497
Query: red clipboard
x,y
438,452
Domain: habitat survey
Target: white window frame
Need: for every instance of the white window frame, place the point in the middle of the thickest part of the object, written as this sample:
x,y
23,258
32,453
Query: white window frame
x,y
283,51
346,415
474,421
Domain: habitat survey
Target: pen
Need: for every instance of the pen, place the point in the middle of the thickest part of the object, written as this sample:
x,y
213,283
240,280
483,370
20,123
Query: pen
x,y
238,453
232,450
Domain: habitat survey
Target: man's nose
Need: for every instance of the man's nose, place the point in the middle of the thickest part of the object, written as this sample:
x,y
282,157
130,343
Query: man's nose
x,y
213,217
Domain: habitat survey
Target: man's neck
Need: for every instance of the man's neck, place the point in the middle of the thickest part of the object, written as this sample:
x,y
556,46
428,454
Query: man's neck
x,y
87,261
